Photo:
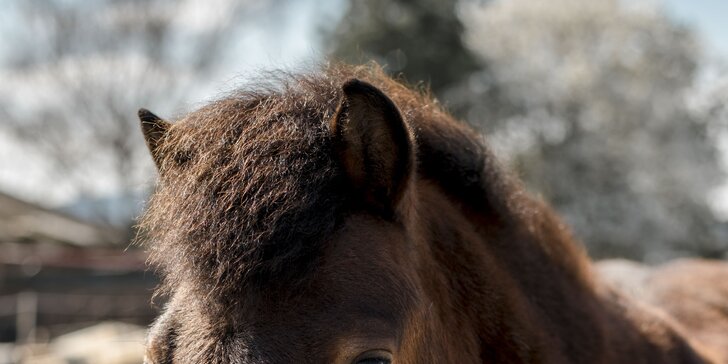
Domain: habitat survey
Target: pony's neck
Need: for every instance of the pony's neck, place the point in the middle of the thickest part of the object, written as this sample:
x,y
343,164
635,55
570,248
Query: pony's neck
x,y
528,286
511,265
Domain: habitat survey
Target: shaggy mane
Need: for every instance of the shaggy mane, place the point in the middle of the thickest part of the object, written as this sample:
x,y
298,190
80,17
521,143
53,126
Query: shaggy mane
x,y
250,186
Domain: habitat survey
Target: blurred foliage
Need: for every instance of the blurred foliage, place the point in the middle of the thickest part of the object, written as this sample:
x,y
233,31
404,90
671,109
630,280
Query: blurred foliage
x,y
588,101
411,38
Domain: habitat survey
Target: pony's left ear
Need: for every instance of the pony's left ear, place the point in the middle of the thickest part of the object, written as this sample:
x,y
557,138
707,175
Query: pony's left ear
x,y
374,144
154,129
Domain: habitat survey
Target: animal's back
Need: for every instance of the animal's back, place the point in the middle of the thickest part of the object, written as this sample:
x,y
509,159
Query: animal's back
x,y
692,291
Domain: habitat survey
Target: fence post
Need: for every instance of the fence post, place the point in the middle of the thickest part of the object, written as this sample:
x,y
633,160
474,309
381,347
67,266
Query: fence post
x,y
25,319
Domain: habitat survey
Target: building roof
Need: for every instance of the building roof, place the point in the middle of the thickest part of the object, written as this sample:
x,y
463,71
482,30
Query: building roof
x,y
25,222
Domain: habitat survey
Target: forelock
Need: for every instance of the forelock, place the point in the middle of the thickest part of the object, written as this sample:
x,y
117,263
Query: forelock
x,y
249,187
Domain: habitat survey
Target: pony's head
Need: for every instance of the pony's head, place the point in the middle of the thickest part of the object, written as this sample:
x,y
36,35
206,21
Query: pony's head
x,y
293,224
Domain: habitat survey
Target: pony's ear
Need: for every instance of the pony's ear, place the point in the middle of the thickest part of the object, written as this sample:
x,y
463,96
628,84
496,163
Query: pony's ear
x,y
154,129
375,145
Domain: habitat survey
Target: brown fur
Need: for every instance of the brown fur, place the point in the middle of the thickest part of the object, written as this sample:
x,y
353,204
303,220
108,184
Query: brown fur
x,y
274,250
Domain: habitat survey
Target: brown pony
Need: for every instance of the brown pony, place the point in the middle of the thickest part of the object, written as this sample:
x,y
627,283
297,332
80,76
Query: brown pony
x,y
340,217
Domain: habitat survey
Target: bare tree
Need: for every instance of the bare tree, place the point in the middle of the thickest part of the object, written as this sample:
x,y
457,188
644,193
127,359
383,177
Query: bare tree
x,y
76,72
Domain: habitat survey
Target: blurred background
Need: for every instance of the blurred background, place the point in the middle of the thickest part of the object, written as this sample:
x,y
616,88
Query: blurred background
x,y
615,111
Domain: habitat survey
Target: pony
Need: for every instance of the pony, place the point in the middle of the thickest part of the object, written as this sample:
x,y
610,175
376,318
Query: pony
x,y
338,216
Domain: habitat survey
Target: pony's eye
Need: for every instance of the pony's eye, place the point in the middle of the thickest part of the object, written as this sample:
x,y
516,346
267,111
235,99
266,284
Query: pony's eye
x,y
374,361
374,357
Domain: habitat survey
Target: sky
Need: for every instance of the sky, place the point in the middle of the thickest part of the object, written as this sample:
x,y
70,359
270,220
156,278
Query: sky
x,y
295,40
708,17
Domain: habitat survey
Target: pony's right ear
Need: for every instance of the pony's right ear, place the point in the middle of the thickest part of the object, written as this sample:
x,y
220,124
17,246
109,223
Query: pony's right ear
x,y
154,129
374,144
